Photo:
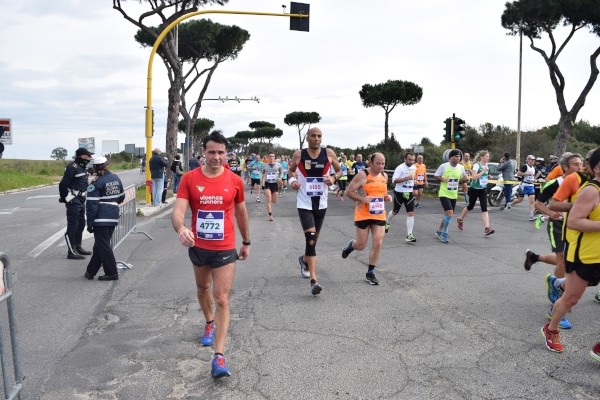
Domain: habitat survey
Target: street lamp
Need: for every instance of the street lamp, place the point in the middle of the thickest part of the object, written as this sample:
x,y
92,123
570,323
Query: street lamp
x,y
189,127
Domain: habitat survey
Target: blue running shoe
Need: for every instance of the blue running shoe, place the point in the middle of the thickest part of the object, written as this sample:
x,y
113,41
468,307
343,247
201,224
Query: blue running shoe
x,y
438,235
208,338
219,368
563,324
444,238
553,293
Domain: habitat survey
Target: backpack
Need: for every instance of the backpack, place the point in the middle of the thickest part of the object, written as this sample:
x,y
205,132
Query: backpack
x,y
174,166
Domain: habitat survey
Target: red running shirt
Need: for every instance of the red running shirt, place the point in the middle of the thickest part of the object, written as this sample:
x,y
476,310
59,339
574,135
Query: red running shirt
x,y
212,201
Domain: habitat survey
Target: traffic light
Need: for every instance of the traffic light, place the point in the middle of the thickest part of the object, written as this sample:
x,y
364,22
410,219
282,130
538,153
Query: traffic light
x,y
459,129
448,134
296,23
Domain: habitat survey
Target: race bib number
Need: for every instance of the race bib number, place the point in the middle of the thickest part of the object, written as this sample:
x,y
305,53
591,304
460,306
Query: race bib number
x,y
272,176
420,177
408,184
376,206
315,186
483,180
344,172
453,184
528,179
210,225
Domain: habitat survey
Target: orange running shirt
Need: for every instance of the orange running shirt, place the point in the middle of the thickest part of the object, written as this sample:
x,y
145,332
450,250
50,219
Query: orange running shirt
x,y
376,187
421,173
555,173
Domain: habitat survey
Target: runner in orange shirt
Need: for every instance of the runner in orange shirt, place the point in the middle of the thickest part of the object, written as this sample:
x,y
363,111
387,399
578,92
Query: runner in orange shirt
x,y
421,180
369,190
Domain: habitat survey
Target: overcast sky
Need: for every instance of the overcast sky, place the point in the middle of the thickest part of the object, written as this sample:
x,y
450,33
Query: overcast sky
x,y
72,69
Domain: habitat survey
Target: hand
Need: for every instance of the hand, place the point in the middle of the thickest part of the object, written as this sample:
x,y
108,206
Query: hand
x,y
186,237
90,228
555,215
62,200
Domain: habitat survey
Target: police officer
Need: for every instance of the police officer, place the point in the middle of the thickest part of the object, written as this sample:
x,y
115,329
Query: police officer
x,y
105,193
72,190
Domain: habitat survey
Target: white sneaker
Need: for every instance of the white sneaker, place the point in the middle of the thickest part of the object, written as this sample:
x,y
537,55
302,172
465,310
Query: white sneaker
x,y
303,268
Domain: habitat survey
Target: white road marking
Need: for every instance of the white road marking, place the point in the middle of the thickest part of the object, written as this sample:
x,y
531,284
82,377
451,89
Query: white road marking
x,y
42,196
47,243
50,241
8,211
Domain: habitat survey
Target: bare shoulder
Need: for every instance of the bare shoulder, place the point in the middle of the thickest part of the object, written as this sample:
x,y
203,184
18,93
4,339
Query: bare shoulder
x,y
331,153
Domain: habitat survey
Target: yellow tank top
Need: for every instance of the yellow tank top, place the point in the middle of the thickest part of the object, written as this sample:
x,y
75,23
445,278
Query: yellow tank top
x,y
376,187
584,247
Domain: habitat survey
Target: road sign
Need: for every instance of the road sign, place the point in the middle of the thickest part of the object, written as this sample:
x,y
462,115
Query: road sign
x,y
5,131
87,143
418,149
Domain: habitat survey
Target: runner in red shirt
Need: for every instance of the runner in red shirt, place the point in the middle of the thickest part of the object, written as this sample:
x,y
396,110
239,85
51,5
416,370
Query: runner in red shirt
x,y
213,192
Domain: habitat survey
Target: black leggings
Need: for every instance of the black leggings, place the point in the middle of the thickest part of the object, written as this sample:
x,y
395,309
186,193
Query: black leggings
x,y
475,194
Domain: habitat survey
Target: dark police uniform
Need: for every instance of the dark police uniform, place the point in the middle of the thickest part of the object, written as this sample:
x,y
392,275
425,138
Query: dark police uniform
x,y
105,194
72,191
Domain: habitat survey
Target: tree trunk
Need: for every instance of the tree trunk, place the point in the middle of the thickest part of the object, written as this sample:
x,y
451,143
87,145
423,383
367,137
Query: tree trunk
x,y
174,94
565,127
386,129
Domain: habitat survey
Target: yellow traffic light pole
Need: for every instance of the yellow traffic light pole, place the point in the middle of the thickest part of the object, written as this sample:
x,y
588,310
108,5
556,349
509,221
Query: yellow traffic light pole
x,y
157,43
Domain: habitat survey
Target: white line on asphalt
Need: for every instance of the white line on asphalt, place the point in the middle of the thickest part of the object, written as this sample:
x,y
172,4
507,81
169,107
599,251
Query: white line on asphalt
x,y
47,243
50,241
42,196
8,211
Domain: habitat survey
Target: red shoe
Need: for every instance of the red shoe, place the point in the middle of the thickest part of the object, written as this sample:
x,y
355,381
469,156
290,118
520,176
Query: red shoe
x,y
553,340
595,352
460,223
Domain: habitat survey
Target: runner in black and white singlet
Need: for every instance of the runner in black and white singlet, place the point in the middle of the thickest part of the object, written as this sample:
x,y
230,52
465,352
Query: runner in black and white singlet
x,y
309,175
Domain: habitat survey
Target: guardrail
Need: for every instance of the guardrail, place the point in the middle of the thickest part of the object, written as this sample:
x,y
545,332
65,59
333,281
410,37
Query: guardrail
x,y
6,295
434,185
127,222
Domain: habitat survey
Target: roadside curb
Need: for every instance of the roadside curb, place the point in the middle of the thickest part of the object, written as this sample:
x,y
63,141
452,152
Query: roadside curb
x,y
148,210
27,188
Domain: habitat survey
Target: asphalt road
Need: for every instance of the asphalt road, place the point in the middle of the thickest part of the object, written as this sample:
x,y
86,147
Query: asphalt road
x,y
455,321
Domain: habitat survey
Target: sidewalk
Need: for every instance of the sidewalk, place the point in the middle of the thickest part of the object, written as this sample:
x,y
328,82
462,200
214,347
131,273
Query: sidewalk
x,y
147,210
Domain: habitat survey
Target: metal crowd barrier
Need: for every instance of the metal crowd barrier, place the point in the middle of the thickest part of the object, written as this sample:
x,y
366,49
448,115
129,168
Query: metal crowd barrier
x,y
127,222
6,295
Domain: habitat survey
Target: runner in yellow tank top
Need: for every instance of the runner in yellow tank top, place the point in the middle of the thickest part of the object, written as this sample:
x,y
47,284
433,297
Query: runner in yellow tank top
x,y
369,190
582,258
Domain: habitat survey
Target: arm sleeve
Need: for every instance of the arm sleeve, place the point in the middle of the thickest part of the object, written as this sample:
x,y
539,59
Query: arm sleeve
x,y
397,173
440,170
547,191
567,189
65,182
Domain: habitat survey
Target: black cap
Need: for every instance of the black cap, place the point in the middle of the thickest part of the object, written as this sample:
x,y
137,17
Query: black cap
x,y
82,151
454,152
